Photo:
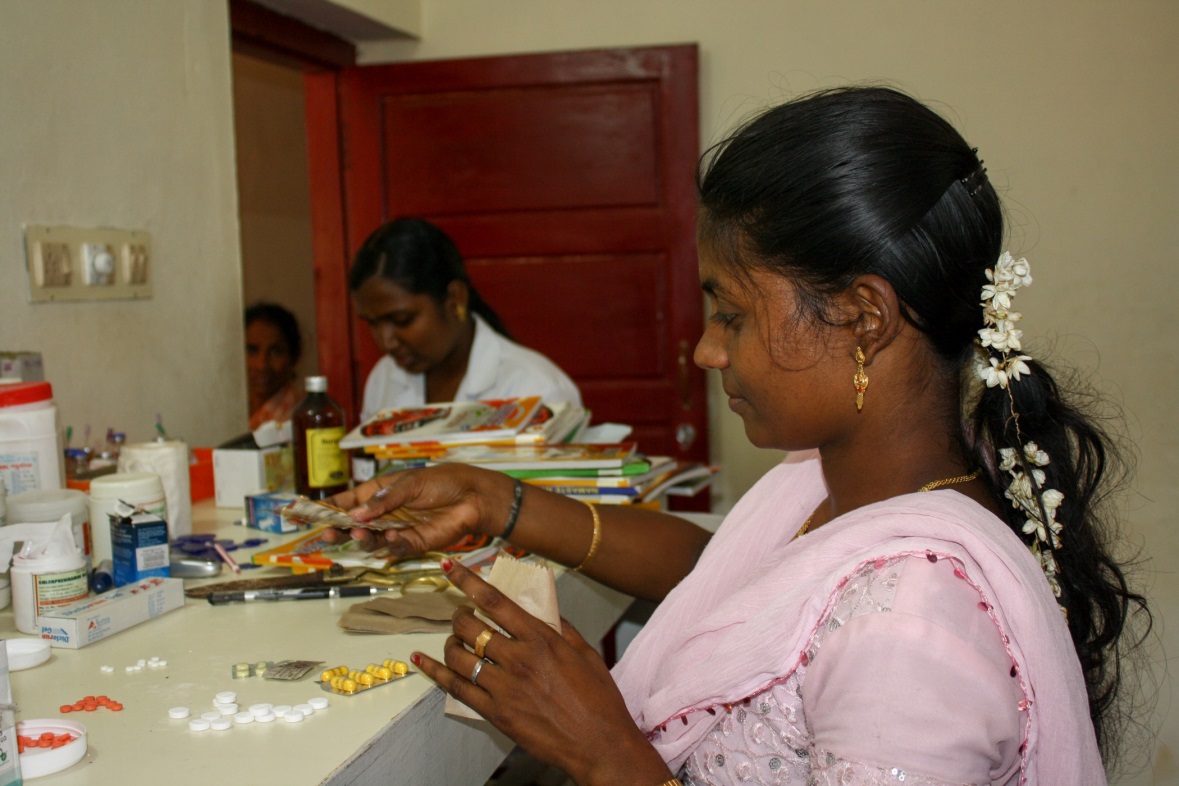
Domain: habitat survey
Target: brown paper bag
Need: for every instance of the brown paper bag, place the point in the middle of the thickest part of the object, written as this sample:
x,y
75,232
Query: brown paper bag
x,y
533,587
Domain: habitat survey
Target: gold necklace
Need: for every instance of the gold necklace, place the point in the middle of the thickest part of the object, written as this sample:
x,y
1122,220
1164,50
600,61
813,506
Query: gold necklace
x,y
933,484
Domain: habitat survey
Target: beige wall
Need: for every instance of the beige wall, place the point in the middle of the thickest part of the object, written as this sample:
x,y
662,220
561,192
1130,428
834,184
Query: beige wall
x,y
118,114
1074,109
123,117
274,200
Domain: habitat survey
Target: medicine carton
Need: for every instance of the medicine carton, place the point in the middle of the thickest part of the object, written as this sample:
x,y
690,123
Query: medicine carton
x,y
101,616
139,548
262,512
241,468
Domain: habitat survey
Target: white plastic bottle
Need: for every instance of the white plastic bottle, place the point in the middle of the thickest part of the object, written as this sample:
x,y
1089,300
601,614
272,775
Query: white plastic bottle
x,y
47,574
30,438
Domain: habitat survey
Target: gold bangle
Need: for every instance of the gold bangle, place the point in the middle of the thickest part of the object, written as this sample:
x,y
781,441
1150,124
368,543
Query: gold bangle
x,y
672,782
597,538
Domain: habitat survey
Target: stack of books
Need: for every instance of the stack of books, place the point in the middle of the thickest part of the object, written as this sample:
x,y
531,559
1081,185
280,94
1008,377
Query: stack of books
x,y
637,480
529,440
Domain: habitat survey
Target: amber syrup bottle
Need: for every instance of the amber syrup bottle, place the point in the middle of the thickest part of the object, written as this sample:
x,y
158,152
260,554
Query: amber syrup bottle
x,y
321,468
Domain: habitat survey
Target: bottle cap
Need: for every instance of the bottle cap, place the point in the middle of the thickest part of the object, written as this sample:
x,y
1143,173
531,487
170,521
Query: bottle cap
x,y
18,393
316,384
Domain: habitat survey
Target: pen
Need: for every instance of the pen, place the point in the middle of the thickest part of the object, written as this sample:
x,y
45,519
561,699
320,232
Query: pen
x,y
299,593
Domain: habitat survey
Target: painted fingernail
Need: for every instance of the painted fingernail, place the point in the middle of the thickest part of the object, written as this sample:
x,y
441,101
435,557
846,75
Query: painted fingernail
x,y
416,659
447,565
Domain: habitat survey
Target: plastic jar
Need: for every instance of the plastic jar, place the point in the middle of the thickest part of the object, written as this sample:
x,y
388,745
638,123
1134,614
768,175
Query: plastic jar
x,y
30,438
44,582
138,489
49,505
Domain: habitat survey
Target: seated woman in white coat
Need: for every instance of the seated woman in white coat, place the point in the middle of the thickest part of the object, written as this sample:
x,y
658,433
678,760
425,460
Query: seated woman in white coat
x,y
442,342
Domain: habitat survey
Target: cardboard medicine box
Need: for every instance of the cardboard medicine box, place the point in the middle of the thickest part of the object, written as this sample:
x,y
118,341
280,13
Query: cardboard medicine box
x,y
241,468
101,616
262,512
139,548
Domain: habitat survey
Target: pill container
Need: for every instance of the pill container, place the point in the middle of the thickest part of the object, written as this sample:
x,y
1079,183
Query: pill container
x,y
30,438
47,575
138,489
48,505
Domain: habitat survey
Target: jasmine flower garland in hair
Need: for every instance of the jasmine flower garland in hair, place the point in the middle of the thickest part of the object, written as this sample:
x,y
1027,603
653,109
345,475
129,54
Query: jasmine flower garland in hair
x,y
999,364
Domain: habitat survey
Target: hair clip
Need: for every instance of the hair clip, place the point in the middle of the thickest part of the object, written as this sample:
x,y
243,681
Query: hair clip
x,y
975,180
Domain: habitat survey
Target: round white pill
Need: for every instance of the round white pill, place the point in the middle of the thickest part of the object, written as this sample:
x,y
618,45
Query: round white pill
x,y
178,712
281,709
198,724
318,702
266,717
243,718
225,697
227,709
306,709
221,724
210,716
294,716
260,709
162,663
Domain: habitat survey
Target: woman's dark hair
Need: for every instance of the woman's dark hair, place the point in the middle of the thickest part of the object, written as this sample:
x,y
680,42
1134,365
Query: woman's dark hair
x,y
284,321
420,258
866,180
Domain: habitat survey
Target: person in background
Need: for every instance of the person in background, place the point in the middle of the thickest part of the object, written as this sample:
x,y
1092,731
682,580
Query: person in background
x,y
441,341
923,592
273,349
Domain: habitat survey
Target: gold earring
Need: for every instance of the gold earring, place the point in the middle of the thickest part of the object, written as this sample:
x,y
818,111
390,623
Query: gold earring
x,y
461,311
860,380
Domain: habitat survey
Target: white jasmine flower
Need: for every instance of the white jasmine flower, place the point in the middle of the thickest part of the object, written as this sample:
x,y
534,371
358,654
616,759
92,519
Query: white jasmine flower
x,y
1016,367
1006,459
1033,454
994,374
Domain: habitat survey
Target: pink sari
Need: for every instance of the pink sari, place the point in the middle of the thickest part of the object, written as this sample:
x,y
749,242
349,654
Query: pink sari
x,y
742,619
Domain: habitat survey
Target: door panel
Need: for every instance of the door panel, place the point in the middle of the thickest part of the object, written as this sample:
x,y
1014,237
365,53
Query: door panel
x,y
567,182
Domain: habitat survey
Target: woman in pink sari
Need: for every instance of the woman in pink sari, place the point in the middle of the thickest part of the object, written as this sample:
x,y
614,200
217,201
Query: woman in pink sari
x,y
921,594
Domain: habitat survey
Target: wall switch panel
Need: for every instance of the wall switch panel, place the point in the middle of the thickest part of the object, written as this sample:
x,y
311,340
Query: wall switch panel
x,y
70,263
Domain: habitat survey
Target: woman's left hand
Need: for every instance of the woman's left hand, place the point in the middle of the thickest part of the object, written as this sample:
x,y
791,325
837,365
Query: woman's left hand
x,y
549,692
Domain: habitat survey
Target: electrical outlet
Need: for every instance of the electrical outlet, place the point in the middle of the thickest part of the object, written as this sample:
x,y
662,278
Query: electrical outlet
x,y
135,263
53,268
98,264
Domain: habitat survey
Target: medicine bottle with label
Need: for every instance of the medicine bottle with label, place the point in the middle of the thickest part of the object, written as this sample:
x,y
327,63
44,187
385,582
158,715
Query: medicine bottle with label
x,y
321,468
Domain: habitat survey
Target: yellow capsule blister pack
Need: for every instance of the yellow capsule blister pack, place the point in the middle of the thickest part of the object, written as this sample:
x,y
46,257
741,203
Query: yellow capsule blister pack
x,y
344,681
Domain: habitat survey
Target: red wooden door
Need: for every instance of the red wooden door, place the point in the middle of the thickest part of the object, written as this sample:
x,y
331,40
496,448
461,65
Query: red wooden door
x,y
566,180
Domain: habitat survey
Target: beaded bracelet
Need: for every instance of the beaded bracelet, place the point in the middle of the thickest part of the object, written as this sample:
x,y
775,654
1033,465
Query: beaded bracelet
x,y
595,540
514,511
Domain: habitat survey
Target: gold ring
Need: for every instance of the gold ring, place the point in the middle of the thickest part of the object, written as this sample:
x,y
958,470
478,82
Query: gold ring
x,y
481,642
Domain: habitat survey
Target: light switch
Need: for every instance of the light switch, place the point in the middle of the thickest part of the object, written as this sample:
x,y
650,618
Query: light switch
x,y
52,264
135,263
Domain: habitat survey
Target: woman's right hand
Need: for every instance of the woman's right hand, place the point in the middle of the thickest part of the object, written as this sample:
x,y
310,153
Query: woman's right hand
x,y
441,504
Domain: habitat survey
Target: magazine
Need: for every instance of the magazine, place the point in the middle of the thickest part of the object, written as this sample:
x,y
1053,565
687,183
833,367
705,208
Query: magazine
x,y
449,423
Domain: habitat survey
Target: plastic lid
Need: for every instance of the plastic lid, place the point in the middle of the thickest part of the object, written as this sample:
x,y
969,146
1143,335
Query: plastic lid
x,y
39,762
128,484
30,392
315,384
31,507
